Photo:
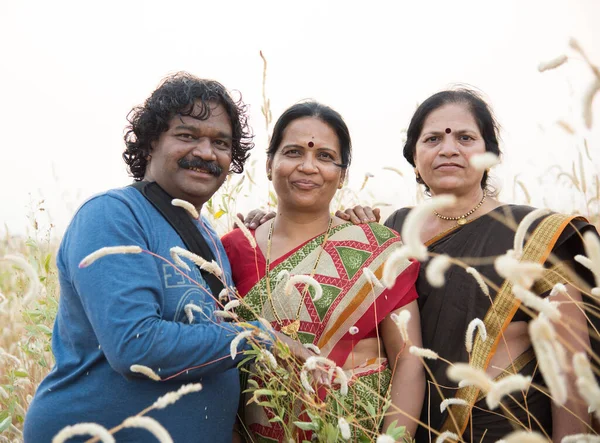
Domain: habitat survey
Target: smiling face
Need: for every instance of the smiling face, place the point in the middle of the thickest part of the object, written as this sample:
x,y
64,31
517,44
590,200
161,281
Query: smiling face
x,y
304,171
190,160
442,156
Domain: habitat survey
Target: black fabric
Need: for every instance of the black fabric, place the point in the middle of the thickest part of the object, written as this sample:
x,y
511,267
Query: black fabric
x,y
182,223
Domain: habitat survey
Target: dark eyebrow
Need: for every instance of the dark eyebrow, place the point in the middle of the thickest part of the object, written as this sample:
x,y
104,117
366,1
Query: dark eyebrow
x,y
194,129
295,145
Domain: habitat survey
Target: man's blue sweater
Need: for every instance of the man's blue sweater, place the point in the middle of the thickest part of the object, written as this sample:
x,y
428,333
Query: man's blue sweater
x,y
128,309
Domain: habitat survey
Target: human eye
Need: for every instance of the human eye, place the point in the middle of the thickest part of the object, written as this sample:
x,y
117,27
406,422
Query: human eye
x,y
326,156
221,144
432,139
466,138
292,153
185,136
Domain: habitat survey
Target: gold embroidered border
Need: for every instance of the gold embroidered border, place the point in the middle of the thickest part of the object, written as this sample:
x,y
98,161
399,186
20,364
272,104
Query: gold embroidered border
x,y
500,314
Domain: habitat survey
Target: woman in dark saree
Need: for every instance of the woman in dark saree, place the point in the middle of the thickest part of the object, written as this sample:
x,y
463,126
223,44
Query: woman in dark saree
x,y
445,132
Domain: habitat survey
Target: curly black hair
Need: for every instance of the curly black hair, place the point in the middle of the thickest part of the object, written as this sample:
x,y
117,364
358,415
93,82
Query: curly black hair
x,y
177,94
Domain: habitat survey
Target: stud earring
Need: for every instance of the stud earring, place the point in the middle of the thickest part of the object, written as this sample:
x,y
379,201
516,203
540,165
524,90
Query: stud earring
x,y
341,185
417,173
269,175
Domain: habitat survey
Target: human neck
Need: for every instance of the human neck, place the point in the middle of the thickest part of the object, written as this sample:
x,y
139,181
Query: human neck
x,y
464,203
292,223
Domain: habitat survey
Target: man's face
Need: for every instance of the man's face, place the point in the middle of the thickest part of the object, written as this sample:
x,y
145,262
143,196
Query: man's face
x,y
191,159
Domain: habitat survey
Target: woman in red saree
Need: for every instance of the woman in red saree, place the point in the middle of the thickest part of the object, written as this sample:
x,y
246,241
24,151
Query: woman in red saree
x,y
349,321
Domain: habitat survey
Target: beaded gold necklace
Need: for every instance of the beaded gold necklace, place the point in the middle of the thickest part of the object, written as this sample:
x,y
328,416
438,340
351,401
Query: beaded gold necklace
x,y
461,219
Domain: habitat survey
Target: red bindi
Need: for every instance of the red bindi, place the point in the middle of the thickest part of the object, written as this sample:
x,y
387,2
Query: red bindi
x,y
311,144
448,130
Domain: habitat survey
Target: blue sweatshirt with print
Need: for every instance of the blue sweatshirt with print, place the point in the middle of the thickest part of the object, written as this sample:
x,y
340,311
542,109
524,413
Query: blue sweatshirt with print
x,y
129,309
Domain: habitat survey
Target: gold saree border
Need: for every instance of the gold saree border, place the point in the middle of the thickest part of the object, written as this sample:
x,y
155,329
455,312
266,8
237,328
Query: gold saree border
x,y
500,314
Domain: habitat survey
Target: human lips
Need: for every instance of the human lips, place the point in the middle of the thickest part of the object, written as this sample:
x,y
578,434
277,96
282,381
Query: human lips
x,y
449,165
305,184
200,171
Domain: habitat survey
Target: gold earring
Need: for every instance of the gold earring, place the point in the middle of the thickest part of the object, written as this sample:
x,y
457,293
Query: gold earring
x,y
269,175
417,173
341,185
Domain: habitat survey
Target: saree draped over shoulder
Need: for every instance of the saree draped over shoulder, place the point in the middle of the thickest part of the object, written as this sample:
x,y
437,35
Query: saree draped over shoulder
x,y
349,300
447,311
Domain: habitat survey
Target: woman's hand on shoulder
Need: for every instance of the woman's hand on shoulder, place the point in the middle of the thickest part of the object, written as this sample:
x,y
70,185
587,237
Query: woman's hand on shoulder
x,y
255,218
360,214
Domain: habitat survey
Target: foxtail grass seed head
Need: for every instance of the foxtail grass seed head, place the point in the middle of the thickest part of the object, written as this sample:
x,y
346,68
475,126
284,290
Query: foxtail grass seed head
x,y
524,437
467,375
344,428
385,439
543,339
394,265
92,429
342,379
240,224
283,275
586,382
584,261
175,257
523,227
190,208
145,370
557,289
484,161
211,266
151,425
224,295
581,438
34,281
447,435
372,278
411,230
596,292
452,402
304,380
6,356
479,279
171,397
518,273
233,347
552,64
401,321
231,305
307,280
353,330
542,305
313,348
592,250
480,326
313,361
436,269
588,100
266,355
423,353
505,386
108,250
189,311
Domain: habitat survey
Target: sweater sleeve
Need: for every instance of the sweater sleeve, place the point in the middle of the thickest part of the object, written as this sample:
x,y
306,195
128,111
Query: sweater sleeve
x,y
122,296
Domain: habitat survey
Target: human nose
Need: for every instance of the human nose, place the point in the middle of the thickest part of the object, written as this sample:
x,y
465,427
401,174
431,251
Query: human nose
x,y
204,149
448,147
308,165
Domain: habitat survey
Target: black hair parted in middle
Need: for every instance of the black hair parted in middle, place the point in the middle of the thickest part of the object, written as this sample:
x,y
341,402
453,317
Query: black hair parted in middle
x,y
327,115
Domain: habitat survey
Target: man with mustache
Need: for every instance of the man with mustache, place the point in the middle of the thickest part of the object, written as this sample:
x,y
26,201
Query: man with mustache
x,y
127,310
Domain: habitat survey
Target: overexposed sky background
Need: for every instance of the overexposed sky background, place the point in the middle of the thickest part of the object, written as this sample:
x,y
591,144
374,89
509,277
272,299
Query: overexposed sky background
x,y
72,70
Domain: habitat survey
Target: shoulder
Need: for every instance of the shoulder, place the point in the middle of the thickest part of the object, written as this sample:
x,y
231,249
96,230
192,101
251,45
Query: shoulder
x,y
373,232
396,220
236,243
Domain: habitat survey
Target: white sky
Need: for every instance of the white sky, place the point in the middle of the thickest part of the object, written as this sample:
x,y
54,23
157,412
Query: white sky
x,y
71,71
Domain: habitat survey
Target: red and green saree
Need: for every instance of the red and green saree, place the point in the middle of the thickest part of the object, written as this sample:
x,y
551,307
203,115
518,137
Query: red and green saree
x,y
348,300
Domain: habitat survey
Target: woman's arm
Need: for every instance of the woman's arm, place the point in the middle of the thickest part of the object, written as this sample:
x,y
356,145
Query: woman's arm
x,y
408,381
573,329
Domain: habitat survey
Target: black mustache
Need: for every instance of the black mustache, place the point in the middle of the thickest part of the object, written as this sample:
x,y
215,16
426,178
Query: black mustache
x,y
197,163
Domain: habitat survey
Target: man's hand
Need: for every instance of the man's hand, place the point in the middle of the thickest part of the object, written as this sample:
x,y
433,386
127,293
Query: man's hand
x,y
360,214
255,218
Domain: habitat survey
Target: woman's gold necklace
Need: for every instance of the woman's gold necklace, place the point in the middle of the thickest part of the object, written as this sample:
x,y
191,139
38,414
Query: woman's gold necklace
x,y
461,219
291,329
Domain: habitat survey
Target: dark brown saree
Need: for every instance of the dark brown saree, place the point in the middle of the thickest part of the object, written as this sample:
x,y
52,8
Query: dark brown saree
x,y
446,313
